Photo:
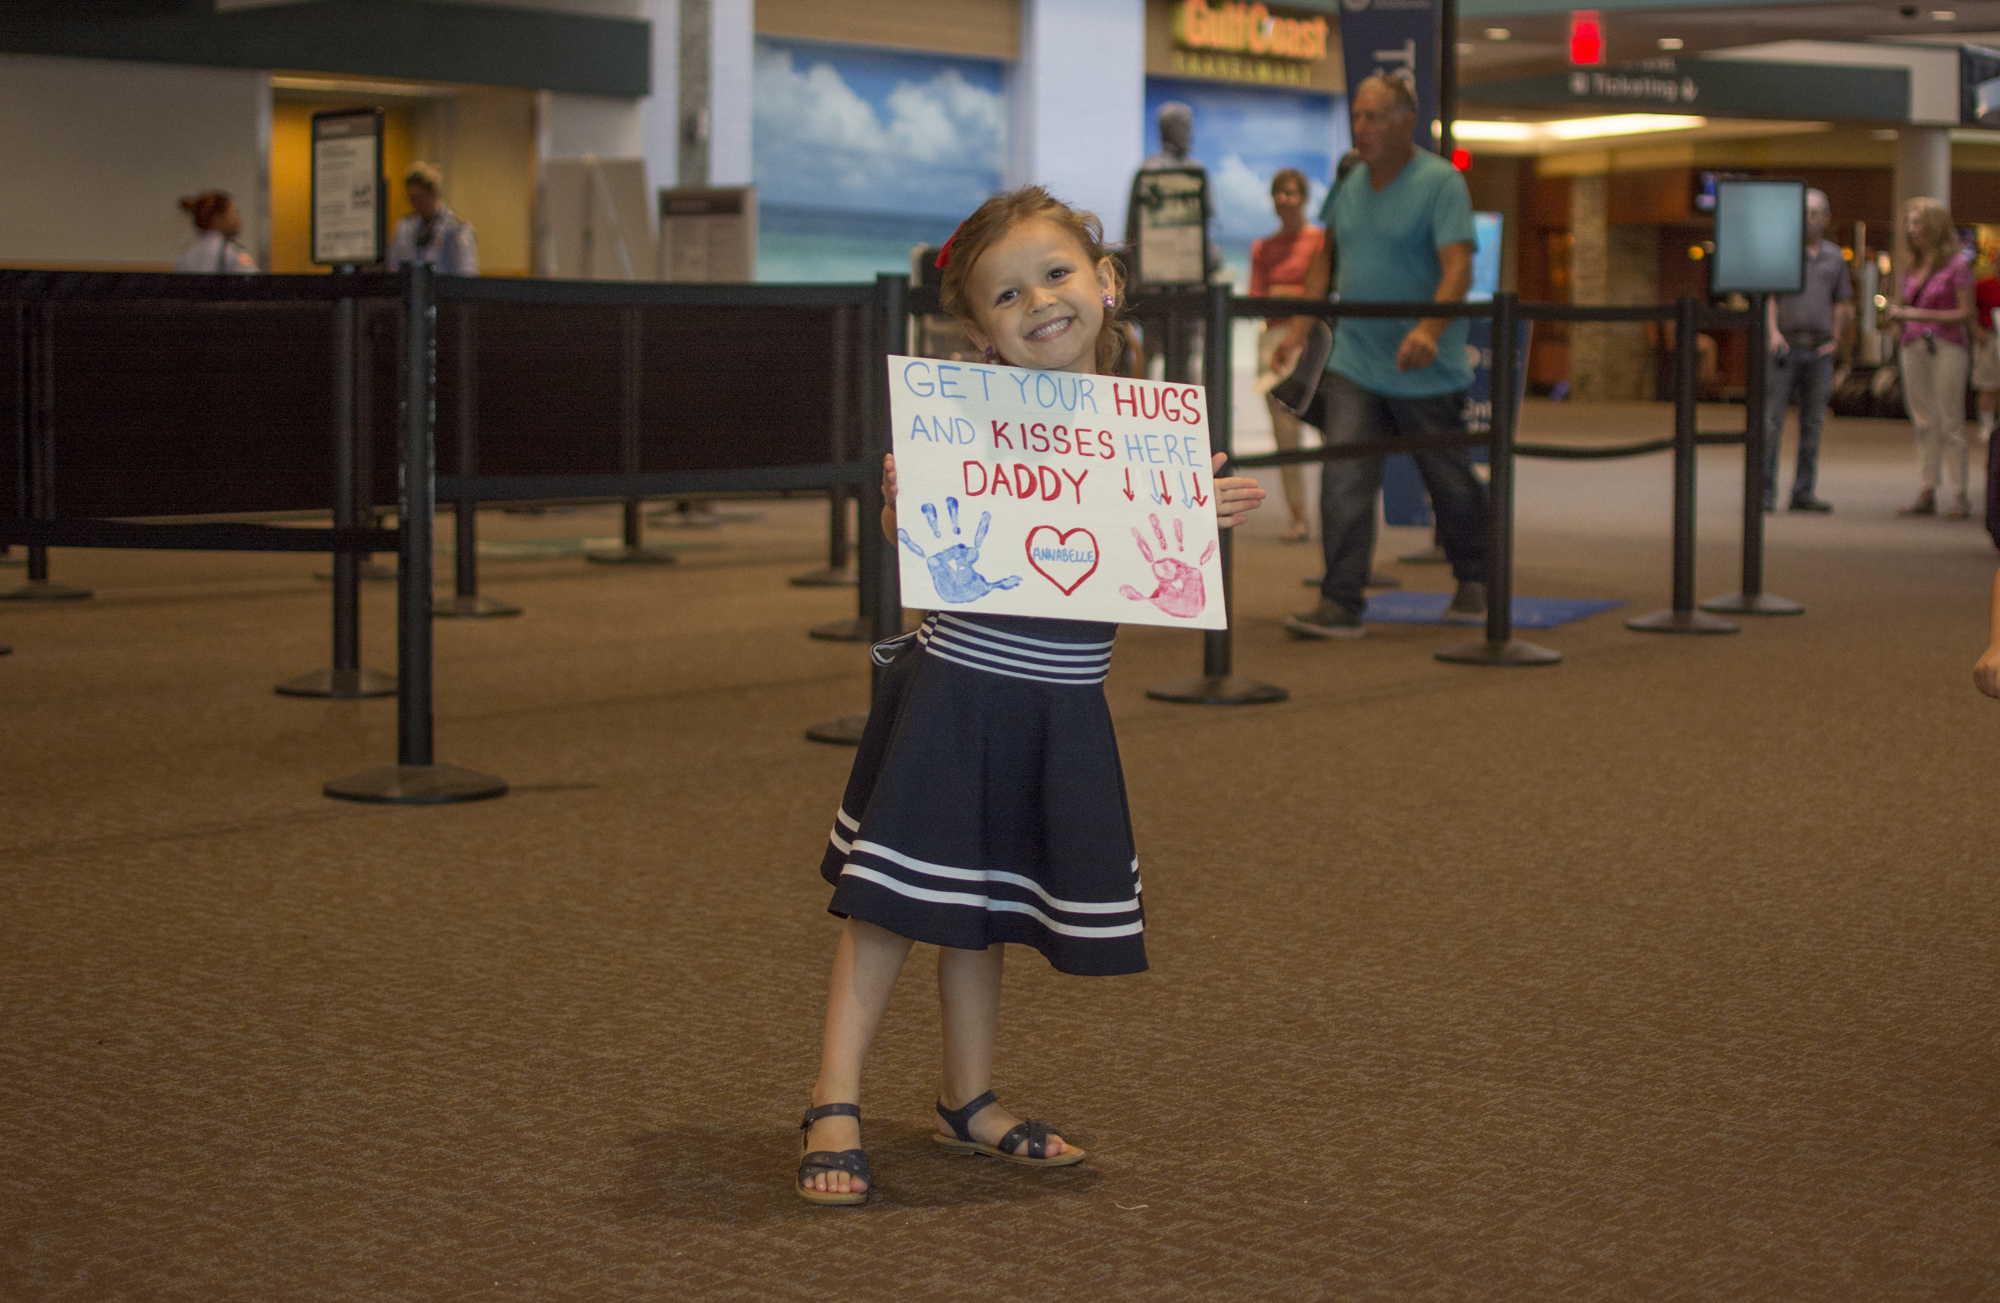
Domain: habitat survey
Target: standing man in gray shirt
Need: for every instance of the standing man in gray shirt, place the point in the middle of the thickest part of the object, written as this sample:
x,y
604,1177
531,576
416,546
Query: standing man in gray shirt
x,y
1805,331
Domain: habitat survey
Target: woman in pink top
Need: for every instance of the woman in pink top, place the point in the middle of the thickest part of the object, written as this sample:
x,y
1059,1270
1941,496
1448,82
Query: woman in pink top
x,y
1935,311
1278,265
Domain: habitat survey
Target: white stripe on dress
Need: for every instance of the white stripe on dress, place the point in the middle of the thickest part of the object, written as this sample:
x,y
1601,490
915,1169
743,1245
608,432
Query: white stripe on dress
x,y
986,902
916,865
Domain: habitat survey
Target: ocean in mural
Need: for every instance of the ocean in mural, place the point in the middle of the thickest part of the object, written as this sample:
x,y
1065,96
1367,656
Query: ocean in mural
x,y
861,153
1243,135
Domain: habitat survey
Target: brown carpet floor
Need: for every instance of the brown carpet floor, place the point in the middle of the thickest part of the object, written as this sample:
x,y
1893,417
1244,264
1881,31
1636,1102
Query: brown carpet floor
x,y
1667,973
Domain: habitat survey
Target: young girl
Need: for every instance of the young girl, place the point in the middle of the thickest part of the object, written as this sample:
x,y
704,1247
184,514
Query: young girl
x,y
986,803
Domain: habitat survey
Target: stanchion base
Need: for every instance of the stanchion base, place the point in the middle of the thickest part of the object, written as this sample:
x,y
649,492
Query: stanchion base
x,y
632,556
843,732
1754,604
44,590
1430,556
416,785
475,607
1218,690
1513,652
1679,622
342,685
852,629
371,572
827,578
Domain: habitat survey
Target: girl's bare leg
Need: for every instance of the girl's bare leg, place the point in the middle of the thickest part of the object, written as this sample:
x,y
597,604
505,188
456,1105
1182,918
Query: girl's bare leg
x,y
865,967
969,995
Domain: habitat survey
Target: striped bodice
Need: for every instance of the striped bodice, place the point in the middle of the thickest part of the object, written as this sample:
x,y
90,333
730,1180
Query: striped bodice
x,y
1079,655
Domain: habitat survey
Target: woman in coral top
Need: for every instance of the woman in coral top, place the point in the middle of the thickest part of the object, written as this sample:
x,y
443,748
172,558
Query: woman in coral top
x,y
1278,265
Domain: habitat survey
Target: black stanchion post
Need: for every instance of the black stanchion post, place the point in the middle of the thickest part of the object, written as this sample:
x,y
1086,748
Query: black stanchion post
x,y
416,778
466,603
633,550
1683,618
40,378
1753,600
839,571
882,590
859,627
1217,685
1500,646
346,680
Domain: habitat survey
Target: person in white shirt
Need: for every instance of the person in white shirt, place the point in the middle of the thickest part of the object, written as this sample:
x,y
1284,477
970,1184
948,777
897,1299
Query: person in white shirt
x,y
214,250
433,233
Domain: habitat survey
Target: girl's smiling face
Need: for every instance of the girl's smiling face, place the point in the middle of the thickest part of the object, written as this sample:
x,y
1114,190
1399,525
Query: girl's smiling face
x,y
1037,301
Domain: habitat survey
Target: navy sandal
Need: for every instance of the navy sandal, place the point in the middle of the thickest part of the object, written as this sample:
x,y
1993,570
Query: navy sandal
x,y
1035,1132
854,1162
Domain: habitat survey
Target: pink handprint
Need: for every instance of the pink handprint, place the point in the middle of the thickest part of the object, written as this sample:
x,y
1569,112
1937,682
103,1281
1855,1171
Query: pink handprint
x,y
1180,592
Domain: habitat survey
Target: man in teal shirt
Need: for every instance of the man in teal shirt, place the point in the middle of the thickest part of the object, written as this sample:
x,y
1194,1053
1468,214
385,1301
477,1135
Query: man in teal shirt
x,y
1402,223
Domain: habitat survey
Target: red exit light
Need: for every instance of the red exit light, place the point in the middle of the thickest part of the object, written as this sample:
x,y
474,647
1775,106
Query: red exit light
x,y
1461,159
1586,38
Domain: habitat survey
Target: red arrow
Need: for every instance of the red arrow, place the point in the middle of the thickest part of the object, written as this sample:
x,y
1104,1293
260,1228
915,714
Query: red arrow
x,y
1128,484
1198,499
1165,496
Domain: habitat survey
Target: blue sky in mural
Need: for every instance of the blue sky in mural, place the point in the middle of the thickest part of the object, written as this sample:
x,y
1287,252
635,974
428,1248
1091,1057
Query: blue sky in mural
x,y
1243,135
860,153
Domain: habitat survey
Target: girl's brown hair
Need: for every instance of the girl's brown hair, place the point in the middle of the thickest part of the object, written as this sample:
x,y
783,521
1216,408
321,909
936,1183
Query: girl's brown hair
x,y
1001,214
1290,176
207,208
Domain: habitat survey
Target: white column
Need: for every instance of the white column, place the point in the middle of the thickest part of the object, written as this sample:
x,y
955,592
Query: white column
x,y
660,113
1077,102
1922,170
732,37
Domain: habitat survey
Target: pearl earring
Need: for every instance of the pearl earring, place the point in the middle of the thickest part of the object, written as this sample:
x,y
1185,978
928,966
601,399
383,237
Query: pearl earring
x,y
1110,300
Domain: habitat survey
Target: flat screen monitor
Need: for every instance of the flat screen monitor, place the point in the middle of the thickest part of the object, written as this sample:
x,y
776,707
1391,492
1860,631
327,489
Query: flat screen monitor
x,y
1760,237
1485,257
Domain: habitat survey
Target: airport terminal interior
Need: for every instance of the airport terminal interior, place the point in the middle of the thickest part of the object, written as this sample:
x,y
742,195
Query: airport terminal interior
x,y
441,597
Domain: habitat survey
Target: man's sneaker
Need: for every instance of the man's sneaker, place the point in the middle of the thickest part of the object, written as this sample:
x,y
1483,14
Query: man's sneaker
x,y
1468,605
1811,504
1327,620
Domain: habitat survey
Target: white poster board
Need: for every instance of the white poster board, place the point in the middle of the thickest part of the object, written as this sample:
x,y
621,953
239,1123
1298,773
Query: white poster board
x,y
596,223
347,211
708,235
1048,494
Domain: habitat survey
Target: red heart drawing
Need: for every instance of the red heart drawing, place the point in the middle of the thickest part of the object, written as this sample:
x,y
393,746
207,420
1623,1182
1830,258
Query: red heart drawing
x,y
1056,560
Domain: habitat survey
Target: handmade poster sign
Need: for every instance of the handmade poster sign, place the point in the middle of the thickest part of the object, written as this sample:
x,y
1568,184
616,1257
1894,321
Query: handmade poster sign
x,y
1049,494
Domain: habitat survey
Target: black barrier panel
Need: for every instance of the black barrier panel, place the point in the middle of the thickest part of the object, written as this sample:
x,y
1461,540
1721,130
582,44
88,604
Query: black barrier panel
x,y
736,388
550,388
13,408
184,408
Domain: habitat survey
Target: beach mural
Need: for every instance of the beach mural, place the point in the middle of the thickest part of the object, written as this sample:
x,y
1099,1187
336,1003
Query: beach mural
x,y
860,153
1243,135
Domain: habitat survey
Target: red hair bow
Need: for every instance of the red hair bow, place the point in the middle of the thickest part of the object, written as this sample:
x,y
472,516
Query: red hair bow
x,y
944,254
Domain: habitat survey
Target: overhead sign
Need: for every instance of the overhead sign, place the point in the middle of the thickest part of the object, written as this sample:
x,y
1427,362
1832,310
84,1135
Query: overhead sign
x,y
1396,38
1717,87
349,215
1055,495
1247,42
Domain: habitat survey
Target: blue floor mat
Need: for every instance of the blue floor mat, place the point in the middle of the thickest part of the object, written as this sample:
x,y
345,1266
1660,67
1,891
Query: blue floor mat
x,y
1403,607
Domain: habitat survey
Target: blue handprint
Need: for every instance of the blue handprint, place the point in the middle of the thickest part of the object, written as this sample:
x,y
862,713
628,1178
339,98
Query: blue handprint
x,y
951,569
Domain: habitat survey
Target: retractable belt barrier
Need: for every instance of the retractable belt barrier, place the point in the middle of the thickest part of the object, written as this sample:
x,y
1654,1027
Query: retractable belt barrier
x,y
211,395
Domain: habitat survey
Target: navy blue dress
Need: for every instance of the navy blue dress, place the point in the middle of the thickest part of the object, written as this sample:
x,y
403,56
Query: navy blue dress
x,y
987,803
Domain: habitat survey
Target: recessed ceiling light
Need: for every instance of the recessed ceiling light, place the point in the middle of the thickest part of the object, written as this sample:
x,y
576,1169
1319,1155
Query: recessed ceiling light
x,y
1944,15
1671,42
1498,34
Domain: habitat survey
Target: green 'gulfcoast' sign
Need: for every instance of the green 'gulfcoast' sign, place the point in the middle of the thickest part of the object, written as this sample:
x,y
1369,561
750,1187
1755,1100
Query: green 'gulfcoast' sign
x,y
1714,88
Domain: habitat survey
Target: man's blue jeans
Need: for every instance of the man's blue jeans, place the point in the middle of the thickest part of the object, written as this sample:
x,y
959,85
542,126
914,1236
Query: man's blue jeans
x,y
1347,488
1807,375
